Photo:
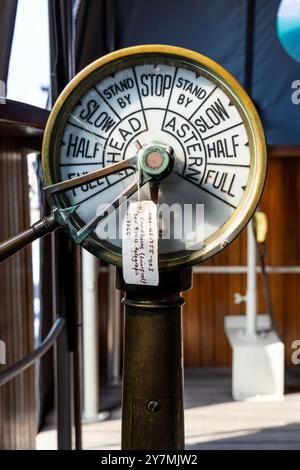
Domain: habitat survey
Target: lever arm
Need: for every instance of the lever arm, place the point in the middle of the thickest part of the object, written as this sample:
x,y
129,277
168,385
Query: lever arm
x,y
59,216
92,176
37,230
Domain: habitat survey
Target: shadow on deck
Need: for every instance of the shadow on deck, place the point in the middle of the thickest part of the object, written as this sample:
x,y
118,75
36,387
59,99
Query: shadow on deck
x,y
212,419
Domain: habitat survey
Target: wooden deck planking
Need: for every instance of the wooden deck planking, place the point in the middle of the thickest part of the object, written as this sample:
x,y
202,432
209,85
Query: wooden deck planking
x,y
212,419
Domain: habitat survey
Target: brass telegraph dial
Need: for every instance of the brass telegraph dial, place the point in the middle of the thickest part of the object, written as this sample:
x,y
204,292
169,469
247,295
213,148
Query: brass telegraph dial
x,y
154,122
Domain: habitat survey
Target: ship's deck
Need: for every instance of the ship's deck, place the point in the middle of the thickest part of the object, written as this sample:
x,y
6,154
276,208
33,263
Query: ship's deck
x,y
212,419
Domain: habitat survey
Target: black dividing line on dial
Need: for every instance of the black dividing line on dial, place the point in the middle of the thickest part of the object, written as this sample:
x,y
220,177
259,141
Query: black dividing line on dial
x,y
109,185
86,130
223,130
105,101
169,99
140,98
204,101
239,165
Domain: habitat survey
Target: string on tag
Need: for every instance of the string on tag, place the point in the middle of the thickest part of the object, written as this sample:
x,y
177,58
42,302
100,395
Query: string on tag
x,y
138,147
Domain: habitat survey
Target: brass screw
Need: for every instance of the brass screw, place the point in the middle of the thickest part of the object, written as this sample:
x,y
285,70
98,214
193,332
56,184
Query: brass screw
x,y
153,406
224,243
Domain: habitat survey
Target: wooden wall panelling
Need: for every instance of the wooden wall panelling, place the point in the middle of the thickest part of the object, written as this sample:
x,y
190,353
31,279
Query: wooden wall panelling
x,y
212,295
21,126
17,398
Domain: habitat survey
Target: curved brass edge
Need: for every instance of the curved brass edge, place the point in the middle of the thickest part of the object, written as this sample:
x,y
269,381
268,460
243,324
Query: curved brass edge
x,y
150,305
258,151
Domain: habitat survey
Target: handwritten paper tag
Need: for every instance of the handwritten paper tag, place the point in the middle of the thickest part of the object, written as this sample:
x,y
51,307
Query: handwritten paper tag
x,y
139,244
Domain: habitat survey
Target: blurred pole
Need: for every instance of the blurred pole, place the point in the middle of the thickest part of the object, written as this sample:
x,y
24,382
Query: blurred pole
x,y
67,263
113,329
114,306
251,304
90,336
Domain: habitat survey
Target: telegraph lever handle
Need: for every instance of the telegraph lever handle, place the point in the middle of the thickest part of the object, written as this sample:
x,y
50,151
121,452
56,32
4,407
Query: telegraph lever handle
x,y
57,218
37,230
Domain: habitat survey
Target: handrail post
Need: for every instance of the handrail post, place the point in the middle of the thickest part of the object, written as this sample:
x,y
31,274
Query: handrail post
x,y
63,366
63,393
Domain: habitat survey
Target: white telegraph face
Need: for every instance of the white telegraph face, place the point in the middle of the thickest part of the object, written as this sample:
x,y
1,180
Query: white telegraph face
x,y
175,104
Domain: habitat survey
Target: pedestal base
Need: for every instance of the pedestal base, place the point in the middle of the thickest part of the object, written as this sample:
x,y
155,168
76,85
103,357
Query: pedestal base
x,y
152,411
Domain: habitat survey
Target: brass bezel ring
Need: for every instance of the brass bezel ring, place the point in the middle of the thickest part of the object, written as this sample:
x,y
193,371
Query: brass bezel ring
x,y
258,154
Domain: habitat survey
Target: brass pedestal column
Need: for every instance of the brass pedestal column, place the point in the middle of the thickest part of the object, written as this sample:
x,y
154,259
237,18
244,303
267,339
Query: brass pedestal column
x,y
152,414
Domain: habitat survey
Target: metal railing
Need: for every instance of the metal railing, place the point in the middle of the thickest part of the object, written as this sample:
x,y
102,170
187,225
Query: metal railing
x,y
27,361
64,391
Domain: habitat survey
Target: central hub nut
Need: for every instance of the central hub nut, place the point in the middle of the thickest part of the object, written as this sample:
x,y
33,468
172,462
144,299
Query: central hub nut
x,y
156,160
